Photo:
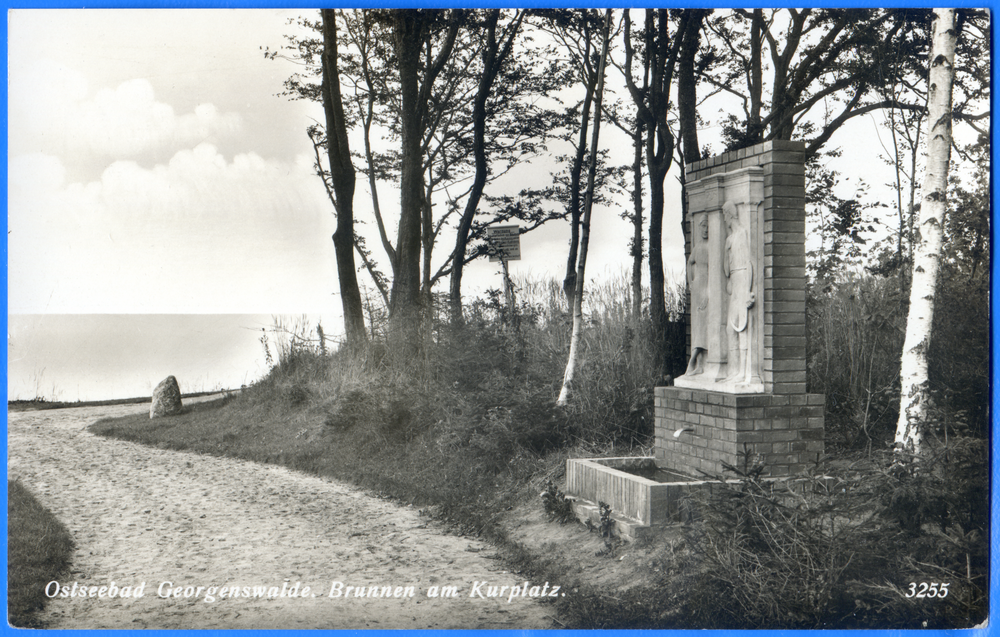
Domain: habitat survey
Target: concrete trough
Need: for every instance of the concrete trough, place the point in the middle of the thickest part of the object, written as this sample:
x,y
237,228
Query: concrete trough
x,y
639,503
646,501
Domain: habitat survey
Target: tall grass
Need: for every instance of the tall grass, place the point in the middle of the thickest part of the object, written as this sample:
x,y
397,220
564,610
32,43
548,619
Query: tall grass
x,y
855,337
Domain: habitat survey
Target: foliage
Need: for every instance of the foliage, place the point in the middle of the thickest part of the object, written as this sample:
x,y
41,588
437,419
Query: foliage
x,y
855,334
840,224
824,552
556,504
38,551
824,65
479,113
606,526
959,355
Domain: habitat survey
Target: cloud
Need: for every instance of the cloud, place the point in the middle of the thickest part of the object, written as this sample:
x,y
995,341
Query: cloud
x,y
200,233
51,111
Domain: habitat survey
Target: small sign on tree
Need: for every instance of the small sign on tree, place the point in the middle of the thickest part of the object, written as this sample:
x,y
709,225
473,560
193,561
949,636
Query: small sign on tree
x,y
504,242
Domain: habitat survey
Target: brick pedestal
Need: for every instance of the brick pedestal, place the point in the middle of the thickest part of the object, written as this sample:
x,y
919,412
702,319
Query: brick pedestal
x,y
785,431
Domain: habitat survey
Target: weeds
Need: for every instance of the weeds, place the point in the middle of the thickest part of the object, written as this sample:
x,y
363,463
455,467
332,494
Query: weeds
x,y
607,530
606,526
556,504
816,555
856,330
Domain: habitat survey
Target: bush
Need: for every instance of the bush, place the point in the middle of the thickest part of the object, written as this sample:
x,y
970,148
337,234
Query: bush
x,y
855,336
959,355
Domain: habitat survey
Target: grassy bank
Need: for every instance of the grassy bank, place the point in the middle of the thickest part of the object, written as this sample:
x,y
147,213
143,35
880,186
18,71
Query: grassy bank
x,y
38,551
471,432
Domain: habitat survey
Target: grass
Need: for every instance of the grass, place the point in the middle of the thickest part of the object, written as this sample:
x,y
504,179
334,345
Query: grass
x,y
38,551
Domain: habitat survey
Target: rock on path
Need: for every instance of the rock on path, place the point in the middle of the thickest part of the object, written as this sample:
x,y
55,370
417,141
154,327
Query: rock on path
x,y
140,514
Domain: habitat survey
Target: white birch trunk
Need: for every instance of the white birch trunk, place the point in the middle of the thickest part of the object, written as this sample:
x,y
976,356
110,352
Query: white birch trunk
x,y
574,342
914,394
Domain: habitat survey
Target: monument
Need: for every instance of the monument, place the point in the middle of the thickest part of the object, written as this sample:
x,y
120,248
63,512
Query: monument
x,y
745,389
743,395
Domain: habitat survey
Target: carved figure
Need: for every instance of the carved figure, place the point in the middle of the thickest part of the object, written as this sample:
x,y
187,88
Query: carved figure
x,y
697,277
738,268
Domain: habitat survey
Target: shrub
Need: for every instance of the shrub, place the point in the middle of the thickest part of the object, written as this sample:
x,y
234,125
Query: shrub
x,y
556,504
825,555
958,358
856,327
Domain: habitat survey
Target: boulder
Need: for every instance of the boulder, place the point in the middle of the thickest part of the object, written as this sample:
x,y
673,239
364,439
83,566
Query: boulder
x,y
166,398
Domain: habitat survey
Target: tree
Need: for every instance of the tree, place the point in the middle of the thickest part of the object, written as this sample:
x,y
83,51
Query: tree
x,y
825,66
412,32
838,223
574,30
341,184
914,394
692,22
905,87
462,148
574,346
495,53
652,105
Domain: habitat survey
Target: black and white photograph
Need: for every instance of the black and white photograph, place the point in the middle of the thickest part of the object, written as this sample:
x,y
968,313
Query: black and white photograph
x,y
518,319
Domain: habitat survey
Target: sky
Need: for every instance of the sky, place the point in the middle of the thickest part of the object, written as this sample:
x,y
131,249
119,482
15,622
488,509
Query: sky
x,y
157,179
160,191
154,169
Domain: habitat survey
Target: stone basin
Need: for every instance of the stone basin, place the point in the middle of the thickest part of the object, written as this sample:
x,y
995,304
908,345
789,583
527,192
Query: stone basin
x,y
648,501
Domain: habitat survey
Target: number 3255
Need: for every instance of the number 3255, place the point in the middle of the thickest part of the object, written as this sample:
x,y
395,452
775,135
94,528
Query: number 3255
x,y
923,589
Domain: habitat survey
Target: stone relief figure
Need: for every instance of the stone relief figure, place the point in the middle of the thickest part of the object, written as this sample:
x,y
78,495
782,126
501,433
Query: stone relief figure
x,y
738,267
697,278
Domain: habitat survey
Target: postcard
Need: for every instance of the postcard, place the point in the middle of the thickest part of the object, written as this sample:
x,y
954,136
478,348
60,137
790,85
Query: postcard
x,y
515,319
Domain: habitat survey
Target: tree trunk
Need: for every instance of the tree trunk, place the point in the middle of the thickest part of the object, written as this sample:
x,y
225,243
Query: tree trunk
x,y
687,83
493,59
652,108
404,311
914,393
574,344
576,174
410,29
674,347
343,178
637,239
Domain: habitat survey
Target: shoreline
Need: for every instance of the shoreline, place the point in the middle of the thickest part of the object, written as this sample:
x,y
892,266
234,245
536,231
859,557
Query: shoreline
x,y
40,405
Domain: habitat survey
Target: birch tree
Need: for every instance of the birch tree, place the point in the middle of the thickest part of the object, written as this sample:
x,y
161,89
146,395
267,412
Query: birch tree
x,y
914,394
574,344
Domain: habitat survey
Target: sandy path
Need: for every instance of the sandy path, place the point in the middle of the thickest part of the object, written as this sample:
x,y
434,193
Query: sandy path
x,y
140,514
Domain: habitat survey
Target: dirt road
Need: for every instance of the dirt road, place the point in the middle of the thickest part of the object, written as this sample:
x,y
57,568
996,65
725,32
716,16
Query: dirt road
x,y
185,526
